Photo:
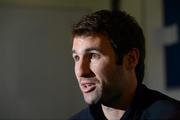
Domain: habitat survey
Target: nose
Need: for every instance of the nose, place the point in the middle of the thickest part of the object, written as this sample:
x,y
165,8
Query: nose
x,y
82,68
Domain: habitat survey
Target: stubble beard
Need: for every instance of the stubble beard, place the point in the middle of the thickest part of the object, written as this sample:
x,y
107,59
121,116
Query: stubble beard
x,y
94,97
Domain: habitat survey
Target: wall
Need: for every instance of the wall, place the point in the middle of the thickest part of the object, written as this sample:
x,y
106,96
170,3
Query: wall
x,y
88,4
156,68
149,13
37,79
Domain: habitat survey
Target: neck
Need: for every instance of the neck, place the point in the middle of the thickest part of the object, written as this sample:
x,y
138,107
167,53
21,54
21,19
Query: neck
x,y
116,110
112,113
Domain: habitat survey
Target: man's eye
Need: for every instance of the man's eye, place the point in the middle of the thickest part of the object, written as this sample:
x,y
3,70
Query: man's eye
x,y
94,56
76,58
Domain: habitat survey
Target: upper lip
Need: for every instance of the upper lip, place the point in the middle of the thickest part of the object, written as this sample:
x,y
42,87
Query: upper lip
x,y
86,82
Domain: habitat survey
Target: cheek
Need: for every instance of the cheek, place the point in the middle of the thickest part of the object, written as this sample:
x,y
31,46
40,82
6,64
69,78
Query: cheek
x,y
98,68
103,71
75,71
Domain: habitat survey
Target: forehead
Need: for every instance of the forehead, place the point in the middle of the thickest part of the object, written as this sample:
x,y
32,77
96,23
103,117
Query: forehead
x,y
96,42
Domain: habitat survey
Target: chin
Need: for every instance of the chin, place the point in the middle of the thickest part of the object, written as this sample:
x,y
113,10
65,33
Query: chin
x,y
91,100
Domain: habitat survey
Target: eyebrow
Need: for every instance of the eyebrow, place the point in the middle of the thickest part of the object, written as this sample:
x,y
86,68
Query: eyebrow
x,y
89,49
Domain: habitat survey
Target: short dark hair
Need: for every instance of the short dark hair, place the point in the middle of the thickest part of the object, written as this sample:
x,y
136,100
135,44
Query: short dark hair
x,y
122,31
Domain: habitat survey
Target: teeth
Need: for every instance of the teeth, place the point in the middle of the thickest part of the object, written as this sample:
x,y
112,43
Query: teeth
x,y
87,86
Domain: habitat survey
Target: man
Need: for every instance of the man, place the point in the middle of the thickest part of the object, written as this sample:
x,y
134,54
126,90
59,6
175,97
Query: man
x,y
109,51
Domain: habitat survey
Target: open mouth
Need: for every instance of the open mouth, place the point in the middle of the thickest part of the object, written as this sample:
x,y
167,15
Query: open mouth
x,y
88,87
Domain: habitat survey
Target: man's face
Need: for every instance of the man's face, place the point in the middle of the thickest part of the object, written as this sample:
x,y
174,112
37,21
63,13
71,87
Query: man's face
x,y
99,76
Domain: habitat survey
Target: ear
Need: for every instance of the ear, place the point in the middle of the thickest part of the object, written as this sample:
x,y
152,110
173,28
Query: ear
x,y
131,59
